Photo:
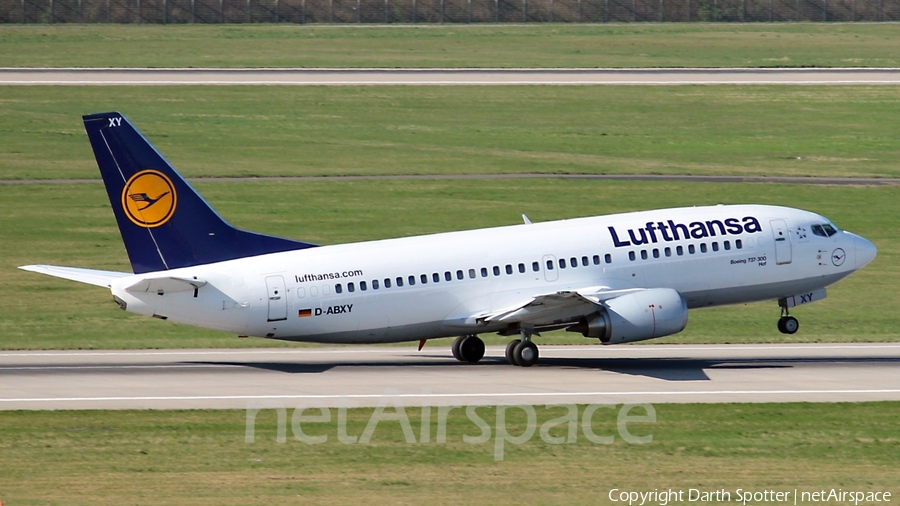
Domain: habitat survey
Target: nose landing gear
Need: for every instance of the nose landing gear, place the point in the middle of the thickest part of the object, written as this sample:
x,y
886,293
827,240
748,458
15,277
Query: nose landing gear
x,y
787,324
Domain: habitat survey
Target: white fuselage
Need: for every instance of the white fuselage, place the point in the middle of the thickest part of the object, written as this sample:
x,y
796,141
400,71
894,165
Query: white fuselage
x,y
350,293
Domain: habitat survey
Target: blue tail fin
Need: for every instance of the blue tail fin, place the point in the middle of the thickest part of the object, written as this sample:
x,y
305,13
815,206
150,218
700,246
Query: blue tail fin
x,y
164,222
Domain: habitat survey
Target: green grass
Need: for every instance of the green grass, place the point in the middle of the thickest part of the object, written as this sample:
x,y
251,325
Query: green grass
x,y
201,457
73,225
545,45
226,131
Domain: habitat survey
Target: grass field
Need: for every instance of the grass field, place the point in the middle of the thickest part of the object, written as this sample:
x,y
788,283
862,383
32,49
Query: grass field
x,y
545,45
201,457
73,225
226,131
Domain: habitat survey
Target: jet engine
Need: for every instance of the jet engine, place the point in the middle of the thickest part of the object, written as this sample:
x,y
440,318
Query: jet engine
x,y
637,316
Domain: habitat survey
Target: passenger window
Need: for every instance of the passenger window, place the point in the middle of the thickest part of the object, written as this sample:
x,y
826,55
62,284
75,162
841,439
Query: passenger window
x,y
362,286
350,287
549,265
608,258
387,282
496,270
573,262
399,281
436,277
508,269
679,250
471,273
459,274
727,245
313,291
521,268
738,244
655,253
584,261
535,266
338,288
423,278
326,289
374,284
301,292
596,259
562,263
668,251
484,272
631,255
715,246
691,249
643,254
412,280
447,276
702,247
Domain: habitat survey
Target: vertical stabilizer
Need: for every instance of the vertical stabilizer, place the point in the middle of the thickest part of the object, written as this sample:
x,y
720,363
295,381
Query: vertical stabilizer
x,y
164,222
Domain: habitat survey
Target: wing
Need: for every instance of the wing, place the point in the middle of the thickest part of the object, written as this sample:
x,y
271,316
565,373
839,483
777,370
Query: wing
x,y
547,310
89,276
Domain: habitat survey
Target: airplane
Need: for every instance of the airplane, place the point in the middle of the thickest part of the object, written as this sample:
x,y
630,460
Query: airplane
x,y
617,278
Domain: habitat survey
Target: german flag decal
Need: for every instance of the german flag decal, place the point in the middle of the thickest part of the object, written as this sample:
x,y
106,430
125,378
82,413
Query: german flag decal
x,y
303,313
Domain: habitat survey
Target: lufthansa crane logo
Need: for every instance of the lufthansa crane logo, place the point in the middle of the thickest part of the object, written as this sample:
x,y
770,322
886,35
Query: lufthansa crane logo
x,y
149,198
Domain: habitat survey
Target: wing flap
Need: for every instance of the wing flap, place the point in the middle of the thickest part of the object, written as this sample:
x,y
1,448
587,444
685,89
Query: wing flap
x,y
89,276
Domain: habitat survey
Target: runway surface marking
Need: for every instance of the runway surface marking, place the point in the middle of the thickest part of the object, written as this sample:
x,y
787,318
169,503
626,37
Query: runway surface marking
x,y
367,375
450,396
446,77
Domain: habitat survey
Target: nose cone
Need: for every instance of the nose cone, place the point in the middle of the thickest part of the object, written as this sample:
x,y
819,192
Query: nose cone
x,y
865,251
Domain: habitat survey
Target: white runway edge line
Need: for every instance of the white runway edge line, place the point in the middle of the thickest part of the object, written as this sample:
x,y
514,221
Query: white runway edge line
x,y
446,396
446,77
401,351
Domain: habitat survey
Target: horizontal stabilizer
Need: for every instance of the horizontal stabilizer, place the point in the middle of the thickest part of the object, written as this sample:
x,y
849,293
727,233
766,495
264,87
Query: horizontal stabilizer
x,y
89,276
167,284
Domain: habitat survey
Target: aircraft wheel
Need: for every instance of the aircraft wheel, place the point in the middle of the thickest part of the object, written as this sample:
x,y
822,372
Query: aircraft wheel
x,y
788,325
510,351
454,348
471,349
525,354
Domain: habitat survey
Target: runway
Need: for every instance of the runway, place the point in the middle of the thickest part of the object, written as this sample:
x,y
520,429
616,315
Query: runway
x,y
445,77
365,376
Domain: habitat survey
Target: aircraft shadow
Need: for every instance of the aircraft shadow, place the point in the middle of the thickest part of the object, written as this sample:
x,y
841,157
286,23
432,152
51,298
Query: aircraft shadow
x,y
667,369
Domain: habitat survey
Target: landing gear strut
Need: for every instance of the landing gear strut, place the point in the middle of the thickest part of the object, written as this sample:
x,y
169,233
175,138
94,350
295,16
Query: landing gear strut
x,y
787,324
468,349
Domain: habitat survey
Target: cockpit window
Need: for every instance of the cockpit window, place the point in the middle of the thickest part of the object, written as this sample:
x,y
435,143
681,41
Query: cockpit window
x,y
825,230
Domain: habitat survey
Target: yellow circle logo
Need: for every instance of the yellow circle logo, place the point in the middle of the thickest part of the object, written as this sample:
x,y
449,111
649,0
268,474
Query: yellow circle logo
x,y
149,198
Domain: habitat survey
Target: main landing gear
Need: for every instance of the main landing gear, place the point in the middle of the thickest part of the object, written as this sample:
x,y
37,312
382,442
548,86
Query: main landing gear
x,y
787,324
522,353
468,349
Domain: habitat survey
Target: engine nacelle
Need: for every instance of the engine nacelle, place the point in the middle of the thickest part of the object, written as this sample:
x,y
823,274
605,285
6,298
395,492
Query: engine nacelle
x,y
637,316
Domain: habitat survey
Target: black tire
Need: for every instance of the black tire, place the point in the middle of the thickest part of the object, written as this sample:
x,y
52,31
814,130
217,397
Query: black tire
x,y
510,351
471,349
454,348
790,325
781,325
526,354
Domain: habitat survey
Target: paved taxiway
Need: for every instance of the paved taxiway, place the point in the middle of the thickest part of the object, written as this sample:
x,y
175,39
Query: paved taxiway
x,y
419,77
363,376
